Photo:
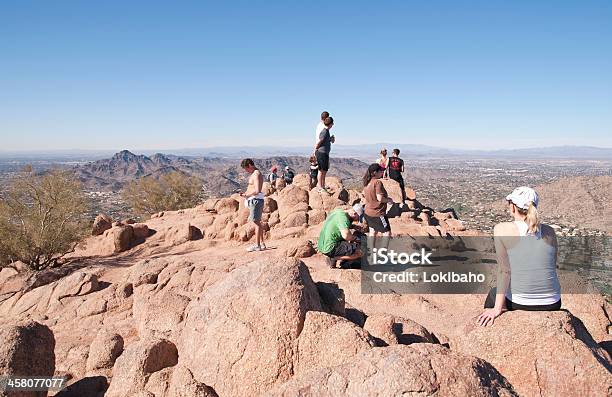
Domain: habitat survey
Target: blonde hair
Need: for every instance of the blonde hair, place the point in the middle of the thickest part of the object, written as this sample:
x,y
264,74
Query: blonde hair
x,y
531,217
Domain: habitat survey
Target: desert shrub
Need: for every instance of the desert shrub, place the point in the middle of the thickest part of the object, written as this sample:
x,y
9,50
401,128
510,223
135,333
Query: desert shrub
x,y
42,217
172,191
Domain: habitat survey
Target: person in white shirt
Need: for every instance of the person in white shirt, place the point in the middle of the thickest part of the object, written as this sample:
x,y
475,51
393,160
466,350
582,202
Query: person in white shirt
x,y
527,255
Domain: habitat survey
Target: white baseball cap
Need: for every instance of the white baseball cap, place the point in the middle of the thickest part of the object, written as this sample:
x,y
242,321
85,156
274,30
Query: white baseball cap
x,y
358,208
522,196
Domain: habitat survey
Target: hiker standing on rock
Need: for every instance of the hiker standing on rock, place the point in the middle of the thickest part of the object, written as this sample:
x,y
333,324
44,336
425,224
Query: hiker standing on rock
x,y
336,241
395,170
321,152
376,200
254,201
527,256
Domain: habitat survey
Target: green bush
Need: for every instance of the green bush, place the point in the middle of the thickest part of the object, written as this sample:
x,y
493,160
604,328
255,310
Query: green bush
x,y
42,217
172,191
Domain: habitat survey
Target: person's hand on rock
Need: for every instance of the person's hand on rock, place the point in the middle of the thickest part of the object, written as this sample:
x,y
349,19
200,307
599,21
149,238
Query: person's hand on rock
x,y
488,317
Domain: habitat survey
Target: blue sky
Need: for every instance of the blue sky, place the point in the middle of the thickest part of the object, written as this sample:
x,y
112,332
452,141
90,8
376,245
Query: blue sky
x,y
149,75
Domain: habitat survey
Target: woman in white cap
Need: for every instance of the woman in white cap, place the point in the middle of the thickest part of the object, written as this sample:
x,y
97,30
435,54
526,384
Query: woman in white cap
x,y
527,256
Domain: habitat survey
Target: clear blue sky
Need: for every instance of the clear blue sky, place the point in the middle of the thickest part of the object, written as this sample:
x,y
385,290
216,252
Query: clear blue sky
x,y
147,75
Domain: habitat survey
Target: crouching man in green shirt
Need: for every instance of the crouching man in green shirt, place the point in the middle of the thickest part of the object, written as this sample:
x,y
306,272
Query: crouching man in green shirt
x,y
336,240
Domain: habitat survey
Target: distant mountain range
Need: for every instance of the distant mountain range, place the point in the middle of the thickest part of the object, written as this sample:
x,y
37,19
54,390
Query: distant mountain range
x,y
220,176
366,151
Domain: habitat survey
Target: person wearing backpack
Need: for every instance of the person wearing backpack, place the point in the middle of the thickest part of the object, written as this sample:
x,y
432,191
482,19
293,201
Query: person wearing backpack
x,y
273,176
395,169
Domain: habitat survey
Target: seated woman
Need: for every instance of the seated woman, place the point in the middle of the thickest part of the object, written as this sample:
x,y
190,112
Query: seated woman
x,y
527,256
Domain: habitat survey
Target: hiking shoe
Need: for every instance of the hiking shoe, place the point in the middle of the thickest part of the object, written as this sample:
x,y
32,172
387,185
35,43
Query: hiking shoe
x,y
254,248
331,262
262,247
324,190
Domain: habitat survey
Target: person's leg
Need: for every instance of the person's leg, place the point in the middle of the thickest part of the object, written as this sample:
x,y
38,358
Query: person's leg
x,y
258,233
373,235
385,237
403,187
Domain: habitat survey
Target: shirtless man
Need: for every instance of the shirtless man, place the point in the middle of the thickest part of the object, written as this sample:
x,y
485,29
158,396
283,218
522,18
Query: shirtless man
x,y
254,201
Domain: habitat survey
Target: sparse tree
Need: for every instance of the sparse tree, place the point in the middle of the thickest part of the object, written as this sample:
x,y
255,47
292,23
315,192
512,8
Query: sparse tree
x,y
42,217
172,191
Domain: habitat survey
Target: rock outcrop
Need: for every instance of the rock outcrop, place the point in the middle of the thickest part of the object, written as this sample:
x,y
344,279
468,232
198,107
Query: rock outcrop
x,y
256,314
541,353
101,224
27,349
420,369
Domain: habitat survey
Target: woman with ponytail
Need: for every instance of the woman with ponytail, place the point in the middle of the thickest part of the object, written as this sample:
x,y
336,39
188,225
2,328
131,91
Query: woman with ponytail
x,y
527,258
376,200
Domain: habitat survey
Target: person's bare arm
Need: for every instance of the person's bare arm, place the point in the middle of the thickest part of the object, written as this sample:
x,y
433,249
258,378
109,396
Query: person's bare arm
x,y
503,278
347,235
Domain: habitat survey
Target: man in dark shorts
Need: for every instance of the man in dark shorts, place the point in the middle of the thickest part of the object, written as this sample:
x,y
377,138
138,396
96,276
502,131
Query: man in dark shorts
x,y
322,150
336,241
395,169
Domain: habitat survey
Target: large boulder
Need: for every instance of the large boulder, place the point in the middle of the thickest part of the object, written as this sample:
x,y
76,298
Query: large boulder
x,y
183,384
270,205
417,370
316,216
76,284
182,233
541,353
298,218
158,314
329,340
299,249
323,201
302,180
138,363
27,349
393,190
255,314
267,189
104,350
334,184
289,197
391,330
226,205
123,236
101,224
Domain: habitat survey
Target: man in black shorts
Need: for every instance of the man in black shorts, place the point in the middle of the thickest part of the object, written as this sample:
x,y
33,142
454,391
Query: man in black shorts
x,y
322,150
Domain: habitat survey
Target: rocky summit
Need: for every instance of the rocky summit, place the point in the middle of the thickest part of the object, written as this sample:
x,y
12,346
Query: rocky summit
x,y
175,306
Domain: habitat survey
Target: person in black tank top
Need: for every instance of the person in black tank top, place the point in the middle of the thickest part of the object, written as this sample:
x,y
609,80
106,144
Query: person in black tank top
x,y
396,167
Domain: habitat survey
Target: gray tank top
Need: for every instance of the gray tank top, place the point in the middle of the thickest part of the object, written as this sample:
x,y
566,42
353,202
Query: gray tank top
x,y
533,270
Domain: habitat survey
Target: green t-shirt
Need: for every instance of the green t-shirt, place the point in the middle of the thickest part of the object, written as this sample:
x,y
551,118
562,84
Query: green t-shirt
x,y
330,234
